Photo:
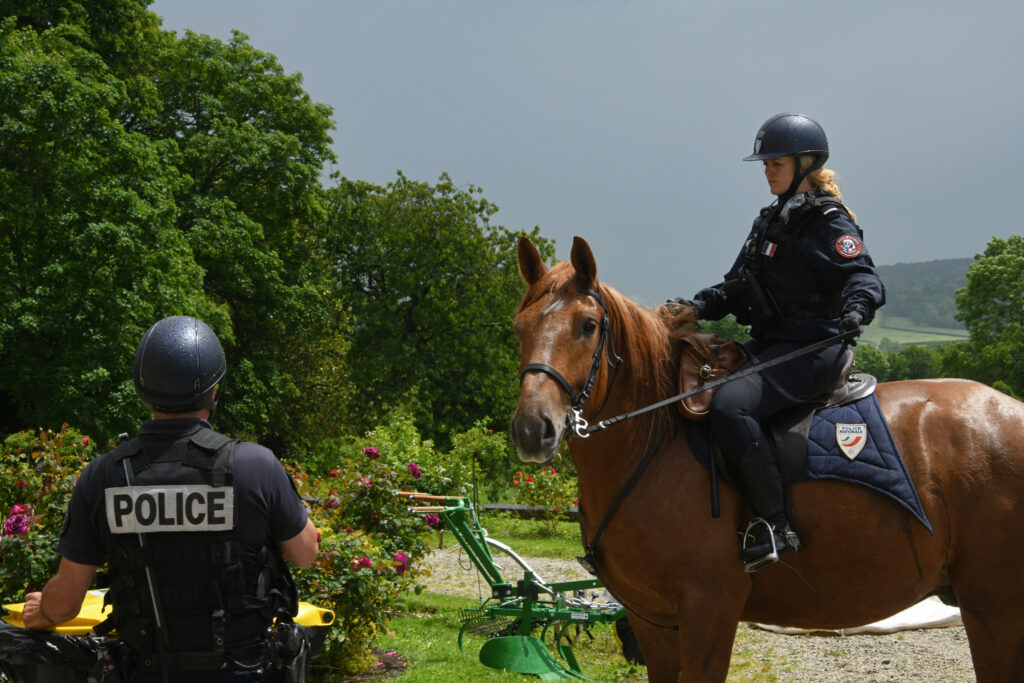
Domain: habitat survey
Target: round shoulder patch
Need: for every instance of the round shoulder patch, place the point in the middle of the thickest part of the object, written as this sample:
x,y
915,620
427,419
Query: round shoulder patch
x,y
849,246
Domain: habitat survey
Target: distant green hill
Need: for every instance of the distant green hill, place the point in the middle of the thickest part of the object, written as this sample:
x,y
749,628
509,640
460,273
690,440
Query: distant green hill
x,y
923,294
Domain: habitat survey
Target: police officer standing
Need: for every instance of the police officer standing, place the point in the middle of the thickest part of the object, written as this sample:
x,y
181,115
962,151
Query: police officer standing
x,y
194,524
802,276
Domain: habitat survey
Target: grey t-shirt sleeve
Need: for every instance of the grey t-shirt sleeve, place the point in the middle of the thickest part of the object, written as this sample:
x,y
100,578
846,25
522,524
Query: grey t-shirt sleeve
x,y
269,508
81,538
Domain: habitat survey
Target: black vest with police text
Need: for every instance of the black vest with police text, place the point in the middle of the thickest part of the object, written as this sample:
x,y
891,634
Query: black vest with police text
x,y
180,584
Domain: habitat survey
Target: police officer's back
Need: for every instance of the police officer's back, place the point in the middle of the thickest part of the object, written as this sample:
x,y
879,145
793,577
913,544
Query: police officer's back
x,y
194,524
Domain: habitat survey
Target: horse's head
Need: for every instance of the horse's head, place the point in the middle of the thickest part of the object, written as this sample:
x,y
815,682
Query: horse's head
x,y
562,327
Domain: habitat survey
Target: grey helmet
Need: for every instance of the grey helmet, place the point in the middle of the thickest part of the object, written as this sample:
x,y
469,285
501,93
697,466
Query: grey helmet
x,y
178,364
790,134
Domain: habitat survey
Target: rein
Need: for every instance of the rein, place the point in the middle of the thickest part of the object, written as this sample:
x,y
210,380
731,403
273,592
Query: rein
x,y
750,370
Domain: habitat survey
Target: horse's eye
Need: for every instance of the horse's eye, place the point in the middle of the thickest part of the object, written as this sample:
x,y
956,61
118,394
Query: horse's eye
x,y
589,326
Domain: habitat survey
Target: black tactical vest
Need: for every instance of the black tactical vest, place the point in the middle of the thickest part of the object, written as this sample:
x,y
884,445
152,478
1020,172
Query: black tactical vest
x,y
186,595
790,288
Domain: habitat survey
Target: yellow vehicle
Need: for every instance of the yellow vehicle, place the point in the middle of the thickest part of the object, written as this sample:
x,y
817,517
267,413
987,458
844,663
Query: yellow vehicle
x,y
69,652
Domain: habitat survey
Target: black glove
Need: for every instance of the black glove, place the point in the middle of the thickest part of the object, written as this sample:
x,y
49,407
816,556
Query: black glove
x,y
851,323
710,301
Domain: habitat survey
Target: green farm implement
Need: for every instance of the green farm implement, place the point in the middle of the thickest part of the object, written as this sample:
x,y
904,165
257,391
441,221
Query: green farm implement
x,y
508,618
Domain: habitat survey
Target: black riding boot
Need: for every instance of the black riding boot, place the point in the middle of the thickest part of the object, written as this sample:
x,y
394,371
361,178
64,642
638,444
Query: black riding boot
x,y
770,534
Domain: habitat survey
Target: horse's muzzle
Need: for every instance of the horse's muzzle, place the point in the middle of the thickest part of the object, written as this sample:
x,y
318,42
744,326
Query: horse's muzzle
x,y
536,437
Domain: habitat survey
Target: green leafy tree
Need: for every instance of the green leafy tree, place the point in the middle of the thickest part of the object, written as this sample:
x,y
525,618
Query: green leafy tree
x,y
432,288
868,358
90,253
253,144
143,175
991,306
727,328
914,362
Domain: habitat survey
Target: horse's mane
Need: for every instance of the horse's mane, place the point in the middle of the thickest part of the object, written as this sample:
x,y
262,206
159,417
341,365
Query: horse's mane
x,y
644,339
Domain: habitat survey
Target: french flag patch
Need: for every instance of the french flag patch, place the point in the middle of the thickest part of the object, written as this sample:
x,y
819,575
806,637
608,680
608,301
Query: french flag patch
x,y
768,249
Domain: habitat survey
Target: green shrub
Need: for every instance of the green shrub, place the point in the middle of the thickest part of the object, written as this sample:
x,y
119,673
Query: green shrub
x,y
430,471
37,473
546,489
491,456
370,552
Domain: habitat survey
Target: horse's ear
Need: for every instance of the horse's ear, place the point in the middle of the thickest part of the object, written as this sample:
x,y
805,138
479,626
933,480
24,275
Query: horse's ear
x,y
583,261
531,265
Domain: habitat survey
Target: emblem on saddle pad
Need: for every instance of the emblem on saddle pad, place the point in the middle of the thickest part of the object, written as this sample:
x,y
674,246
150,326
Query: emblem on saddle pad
x,y
851,438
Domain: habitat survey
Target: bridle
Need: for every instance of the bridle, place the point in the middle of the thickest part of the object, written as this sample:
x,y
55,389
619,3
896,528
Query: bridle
x,y
574,418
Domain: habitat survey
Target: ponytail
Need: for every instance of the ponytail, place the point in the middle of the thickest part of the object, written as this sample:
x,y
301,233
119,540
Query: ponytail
x,y
825,179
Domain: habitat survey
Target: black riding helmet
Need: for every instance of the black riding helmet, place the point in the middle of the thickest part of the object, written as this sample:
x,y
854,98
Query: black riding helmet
x,y
791,135
178,364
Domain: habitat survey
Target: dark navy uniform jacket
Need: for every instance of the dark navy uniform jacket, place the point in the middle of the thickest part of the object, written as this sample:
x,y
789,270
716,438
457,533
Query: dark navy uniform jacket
x,y
810,264
814,251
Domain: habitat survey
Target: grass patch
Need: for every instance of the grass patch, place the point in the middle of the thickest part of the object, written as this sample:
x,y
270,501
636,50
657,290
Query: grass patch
x,y
527,537
899,330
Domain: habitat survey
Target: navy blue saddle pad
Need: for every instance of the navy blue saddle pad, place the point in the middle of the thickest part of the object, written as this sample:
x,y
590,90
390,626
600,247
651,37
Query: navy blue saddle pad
x,y
850,443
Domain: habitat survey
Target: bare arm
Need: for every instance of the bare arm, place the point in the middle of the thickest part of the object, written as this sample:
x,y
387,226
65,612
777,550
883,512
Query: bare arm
x,y
301,549
62,597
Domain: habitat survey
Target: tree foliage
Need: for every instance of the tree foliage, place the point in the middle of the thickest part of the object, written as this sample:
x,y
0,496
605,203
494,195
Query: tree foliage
x,y
432,288
144,175
924,292
253,145
89,252
991,306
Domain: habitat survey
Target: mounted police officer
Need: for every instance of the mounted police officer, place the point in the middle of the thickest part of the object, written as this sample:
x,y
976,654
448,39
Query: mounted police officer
x,y
195,526
802,276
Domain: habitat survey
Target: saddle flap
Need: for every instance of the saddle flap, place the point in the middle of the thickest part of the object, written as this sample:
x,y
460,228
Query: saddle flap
x,y
705,358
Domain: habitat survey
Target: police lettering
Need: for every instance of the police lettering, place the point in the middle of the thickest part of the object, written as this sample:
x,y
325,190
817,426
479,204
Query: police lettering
x,y
148,509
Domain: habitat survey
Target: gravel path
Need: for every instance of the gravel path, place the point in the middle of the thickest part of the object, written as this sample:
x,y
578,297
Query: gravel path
x,y
928,655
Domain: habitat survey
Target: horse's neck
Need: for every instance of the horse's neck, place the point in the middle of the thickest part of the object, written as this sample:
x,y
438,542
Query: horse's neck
x,y
606,459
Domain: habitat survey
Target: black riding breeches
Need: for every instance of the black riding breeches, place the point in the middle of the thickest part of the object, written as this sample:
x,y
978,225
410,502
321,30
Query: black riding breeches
x,y
739,407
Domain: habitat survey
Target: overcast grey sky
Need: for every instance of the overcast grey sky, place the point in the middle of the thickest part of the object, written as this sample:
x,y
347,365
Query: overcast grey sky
x,y
625,122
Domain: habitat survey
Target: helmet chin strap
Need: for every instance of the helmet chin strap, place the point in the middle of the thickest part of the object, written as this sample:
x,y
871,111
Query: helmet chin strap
x,y
798,177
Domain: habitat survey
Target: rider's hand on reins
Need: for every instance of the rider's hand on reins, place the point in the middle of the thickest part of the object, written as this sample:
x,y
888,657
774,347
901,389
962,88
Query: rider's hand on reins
x,y
850,325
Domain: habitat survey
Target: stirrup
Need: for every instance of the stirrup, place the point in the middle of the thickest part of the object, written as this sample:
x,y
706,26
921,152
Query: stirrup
x,y
751,566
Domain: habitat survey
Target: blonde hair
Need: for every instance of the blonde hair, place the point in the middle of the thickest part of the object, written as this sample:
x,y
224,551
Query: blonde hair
x,y
824,178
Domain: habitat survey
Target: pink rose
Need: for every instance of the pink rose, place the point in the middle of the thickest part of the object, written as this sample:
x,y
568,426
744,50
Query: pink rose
x,y
16,525
371,453
401,562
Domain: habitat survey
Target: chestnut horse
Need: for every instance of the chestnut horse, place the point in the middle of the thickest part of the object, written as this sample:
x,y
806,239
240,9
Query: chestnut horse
x,y
676,568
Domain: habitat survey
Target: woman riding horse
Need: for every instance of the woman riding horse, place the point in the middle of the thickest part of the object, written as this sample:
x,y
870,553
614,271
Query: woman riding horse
x,y
645,500
802,276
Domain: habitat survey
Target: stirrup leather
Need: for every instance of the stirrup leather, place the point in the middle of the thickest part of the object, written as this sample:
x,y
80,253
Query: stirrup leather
x,y
771,558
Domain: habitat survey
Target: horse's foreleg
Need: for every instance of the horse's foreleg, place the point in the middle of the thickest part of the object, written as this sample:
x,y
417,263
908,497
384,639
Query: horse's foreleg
x,y
707,629
698,652
660,648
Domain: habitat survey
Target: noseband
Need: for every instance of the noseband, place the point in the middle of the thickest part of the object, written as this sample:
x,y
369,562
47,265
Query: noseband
x,y
574,418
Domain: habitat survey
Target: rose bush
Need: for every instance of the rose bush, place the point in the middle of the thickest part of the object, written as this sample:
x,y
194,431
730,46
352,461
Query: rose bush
x,y
546,489
37,472
370,550
401,448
